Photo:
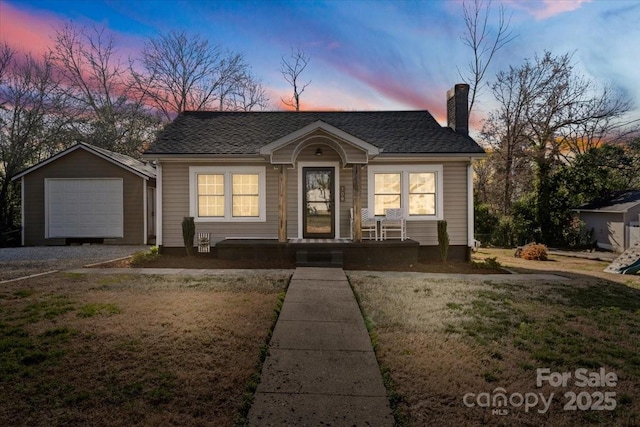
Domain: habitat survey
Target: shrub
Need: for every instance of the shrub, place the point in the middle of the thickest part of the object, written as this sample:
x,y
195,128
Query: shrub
x,y
188,233
489,262
142,257
534,251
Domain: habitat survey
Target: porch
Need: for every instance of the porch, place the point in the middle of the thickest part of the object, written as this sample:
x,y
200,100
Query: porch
x,y
320,252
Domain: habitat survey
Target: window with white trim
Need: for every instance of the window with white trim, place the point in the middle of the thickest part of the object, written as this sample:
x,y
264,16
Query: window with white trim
x,y
227,193
417,189
387,193
210,195
422,193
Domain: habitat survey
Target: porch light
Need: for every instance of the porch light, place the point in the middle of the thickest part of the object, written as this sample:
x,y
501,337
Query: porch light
x,y
319,152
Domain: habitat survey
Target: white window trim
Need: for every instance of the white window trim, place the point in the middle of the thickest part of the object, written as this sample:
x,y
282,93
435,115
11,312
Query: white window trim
x,y
227,171
404,171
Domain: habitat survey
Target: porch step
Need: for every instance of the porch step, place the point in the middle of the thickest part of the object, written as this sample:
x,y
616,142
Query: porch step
x,y
320,257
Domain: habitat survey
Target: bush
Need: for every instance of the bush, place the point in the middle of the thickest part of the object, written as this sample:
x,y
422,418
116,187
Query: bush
x,y
188,233
576,235
489,262
143,257
534,251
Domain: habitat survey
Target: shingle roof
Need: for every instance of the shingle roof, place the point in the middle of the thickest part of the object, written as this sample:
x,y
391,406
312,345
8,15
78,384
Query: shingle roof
x,y
238,133
618,201
134,165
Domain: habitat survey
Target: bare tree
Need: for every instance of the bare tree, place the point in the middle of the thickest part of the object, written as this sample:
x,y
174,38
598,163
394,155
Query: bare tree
x,y
602,125
482,42
32,122
6,56
504,133
248,94
541,103
291,68
110,113
180,72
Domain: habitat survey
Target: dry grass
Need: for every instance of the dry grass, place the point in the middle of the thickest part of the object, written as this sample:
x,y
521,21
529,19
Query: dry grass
x,y
563,265
131,350
441,338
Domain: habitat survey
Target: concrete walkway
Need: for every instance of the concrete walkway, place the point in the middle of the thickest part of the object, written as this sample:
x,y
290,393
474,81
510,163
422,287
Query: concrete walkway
x,y
321,368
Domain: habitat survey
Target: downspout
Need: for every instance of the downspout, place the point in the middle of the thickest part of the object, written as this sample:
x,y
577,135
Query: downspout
x,y
470,210
145,212
22,237
158,203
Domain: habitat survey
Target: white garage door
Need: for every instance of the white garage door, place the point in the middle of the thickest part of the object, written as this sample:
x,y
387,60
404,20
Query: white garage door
x,y
84,207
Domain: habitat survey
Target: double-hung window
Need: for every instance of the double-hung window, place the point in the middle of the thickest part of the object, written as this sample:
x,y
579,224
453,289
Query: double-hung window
x,y
227,193
417,189
387,193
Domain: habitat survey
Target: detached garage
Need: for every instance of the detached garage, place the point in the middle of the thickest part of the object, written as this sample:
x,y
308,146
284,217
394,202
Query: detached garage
x,y
88,194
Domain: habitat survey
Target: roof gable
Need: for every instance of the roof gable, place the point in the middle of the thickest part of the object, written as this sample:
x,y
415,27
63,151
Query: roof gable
x,y
134,166
246,133
314,131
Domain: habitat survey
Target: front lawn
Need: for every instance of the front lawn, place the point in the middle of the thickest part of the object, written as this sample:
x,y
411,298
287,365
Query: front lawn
x,y
112,350
440,339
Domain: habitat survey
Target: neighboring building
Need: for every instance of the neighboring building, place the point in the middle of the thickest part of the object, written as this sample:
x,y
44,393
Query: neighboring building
x,y
284,176
614,219
88,194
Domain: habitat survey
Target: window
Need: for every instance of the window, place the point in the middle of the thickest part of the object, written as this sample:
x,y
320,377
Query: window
x,y
387,193
417,189
210,195
422,193
227,193
245,195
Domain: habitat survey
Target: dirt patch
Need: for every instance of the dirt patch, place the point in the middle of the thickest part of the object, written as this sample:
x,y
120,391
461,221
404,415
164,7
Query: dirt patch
x,y
211,262
122,350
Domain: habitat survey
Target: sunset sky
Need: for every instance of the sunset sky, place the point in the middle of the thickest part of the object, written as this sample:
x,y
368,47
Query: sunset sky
x,y
365,55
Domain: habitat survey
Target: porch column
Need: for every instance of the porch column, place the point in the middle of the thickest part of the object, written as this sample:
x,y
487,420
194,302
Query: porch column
x,y
356,173
282,204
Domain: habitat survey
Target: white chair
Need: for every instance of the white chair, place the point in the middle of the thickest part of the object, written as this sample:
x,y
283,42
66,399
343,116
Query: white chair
x,y
368,224
393,221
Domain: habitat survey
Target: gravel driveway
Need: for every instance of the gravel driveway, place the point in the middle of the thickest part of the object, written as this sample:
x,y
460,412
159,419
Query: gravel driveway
x,y
24,261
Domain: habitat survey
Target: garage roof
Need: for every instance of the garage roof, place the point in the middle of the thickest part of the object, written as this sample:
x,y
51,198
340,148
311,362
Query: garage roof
x,y
616,202
144,170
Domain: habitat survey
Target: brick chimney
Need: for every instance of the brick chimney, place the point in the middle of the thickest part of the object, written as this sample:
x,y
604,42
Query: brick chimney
x,y
458,108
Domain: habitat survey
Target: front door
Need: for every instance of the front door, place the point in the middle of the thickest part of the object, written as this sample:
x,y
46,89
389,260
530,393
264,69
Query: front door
x,y
318,199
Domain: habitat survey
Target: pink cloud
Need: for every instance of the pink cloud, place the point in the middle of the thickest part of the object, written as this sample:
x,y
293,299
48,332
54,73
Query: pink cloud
x,y
549,8
407,91
26,32
34,32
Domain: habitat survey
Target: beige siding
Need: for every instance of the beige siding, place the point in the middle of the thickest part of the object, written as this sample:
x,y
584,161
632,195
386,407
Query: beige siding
x,y
608,228
176,203
175,206
82,164
454,209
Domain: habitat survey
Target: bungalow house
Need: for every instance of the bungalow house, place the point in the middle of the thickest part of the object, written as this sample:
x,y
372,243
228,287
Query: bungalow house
x,y
273,180
614,219
88,194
